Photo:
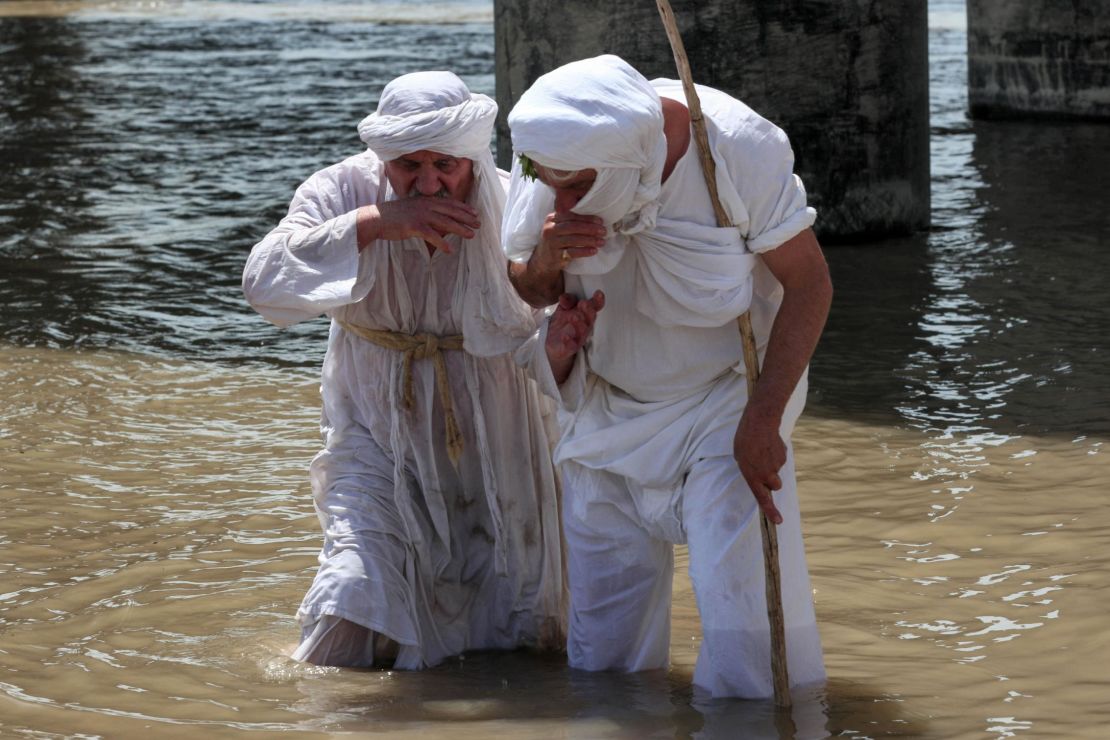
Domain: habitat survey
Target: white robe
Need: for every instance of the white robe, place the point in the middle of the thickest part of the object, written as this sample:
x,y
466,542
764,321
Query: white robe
x,y
650,409
438,559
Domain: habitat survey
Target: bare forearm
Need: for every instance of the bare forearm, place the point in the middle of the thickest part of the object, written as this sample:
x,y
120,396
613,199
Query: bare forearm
x,y
368,225
538,286
560,368
758,446
807,295
794,337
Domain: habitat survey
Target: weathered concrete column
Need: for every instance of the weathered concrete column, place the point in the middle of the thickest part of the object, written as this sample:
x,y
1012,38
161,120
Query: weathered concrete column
x,y
846,79
1038,58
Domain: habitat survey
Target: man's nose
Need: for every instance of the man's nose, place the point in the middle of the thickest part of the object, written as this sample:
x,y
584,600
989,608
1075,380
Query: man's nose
x,y
428,182
565,200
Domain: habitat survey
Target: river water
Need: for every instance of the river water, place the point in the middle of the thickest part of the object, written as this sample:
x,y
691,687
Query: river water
x,y
157,531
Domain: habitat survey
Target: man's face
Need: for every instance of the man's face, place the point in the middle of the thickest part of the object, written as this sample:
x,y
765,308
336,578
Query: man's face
x,y
431,173
569,187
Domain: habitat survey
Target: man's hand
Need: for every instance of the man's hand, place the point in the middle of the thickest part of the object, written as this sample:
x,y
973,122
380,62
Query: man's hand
x,y
567,236
568,330
760,453
423,217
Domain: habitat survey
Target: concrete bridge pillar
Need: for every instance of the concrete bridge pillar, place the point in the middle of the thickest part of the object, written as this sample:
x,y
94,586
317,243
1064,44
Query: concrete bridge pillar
x,y
1038,58
846,79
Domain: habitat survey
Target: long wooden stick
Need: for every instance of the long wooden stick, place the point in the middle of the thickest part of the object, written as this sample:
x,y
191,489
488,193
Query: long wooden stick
x,y
775,617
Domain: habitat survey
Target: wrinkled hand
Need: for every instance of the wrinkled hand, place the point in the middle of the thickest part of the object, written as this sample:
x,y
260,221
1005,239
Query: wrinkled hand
x,y
569,329
424,217
567,236
760,453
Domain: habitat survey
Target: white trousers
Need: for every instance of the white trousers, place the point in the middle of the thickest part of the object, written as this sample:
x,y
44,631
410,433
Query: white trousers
x,y
620,553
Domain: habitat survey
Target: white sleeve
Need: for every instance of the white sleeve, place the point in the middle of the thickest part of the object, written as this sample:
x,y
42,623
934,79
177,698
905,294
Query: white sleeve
x,y
526,208
309,263
762,168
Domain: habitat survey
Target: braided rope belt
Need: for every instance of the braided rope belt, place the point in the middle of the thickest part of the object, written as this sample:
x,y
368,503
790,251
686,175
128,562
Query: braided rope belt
x,y
421,347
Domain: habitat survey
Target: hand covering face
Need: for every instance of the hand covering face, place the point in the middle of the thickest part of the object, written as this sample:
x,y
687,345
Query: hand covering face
x,y
596,114
435,111
602,114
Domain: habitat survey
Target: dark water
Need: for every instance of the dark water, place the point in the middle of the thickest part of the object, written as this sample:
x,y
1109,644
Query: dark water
x,y
140,157
994,322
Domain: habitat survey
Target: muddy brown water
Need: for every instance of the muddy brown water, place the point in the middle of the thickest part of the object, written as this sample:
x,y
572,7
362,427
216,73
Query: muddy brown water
x,y
157,531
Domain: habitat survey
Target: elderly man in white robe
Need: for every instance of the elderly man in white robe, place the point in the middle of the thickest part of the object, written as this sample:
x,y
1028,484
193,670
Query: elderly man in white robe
x,y
434,487
609,218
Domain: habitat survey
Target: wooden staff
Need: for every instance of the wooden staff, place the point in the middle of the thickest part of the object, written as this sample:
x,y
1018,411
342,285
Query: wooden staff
x,y
751,361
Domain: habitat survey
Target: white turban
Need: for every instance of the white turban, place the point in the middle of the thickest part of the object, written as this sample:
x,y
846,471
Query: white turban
x,y
598,114
602,114
435,111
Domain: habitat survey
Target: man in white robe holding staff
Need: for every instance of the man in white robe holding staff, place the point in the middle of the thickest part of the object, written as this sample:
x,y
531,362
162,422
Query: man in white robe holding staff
x,y
434,488
609,218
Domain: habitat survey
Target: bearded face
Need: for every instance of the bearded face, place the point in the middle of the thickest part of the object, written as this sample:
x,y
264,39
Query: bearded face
x,y
431,174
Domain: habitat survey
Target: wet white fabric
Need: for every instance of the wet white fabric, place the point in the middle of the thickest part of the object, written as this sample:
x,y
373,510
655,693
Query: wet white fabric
x,y
620,567
651,406
338,642
435,111
440,559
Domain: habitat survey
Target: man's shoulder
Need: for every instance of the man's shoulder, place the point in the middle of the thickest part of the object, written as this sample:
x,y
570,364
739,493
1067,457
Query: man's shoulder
x,y
734,122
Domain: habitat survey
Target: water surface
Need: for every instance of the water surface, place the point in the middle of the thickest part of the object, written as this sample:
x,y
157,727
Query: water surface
x,y
158,533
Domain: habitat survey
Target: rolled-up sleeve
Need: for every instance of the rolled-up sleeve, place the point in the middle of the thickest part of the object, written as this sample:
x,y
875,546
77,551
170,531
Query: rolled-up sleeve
x,y
774,196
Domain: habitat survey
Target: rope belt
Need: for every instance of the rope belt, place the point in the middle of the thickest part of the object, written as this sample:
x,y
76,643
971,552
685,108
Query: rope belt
x,y
420,347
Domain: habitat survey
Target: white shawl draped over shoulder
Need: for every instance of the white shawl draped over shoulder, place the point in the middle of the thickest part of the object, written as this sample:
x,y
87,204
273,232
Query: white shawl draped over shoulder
x,y
662,381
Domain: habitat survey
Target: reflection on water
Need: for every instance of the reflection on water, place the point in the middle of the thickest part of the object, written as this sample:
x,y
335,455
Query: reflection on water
x,y
158,533
991,325
440,12
146,164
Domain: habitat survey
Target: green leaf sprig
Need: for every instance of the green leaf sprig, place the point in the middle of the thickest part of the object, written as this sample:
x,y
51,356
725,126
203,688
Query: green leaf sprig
x,y
528,168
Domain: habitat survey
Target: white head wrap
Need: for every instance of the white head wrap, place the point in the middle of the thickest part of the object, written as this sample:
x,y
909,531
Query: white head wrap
x,y
435,111
596,114
602,114
429,110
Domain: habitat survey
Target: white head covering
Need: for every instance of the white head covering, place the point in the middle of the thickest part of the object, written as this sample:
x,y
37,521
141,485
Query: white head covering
x,y
435,111
596,114
602,114
429,110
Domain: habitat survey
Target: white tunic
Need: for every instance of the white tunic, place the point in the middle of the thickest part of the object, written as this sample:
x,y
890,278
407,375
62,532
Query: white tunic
x,y
661,374
438,559
650,410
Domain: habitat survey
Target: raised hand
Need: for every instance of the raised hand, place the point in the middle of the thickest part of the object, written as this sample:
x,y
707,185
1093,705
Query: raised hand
x,y
569,329
567,236
426,217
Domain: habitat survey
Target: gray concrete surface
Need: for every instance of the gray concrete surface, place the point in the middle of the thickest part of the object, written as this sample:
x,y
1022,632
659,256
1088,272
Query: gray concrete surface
x,y
847,81
1039,58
